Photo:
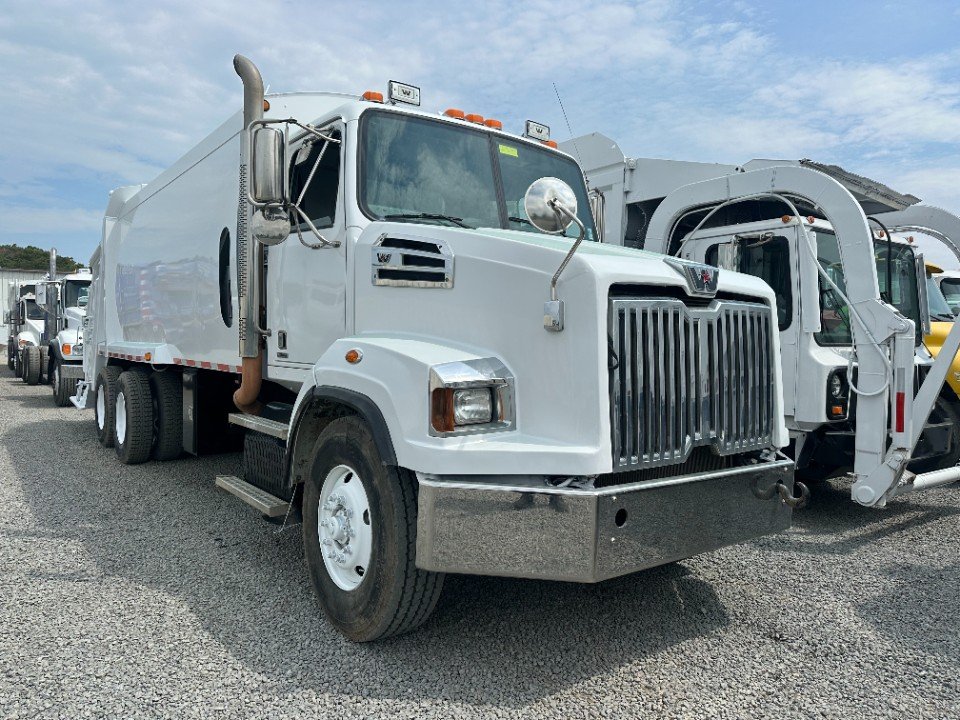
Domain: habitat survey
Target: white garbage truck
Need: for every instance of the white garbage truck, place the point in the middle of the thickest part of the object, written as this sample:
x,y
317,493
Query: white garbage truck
x,y
861,393
58,356
408,317
24,322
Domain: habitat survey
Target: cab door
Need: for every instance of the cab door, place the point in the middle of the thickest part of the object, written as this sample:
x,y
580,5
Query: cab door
x,y
306,281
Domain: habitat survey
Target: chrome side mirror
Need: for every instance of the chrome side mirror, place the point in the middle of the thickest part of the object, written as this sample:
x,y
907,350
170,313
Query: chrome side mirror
x,y
267,166
728,256
542,202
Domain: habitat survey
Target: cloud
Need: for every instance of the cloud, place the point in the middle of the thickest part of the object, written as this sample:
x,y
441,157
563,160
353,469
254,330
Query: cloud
x,y
105,94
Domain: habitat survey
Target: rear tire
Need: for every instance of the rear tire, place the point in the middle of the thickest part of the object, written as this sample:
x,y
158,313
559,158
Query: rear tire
x,y
943,411
104,402
11,356
167,392
133,418
45,374
388,595
63,388
18,363
31,365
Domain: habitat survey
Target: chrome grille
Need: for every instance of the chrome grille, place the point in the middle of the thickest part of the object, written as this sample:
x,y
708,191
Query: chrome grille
x,y
686,377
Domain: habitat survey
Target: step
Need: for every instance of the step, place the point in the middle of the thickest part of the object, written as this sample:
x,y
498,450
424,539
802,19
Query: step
x,y
260,425
261,500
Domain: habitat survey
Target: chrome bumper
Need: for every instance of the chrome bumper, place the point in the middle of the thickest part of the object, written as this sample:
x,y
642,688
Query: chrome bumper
x,y
526,529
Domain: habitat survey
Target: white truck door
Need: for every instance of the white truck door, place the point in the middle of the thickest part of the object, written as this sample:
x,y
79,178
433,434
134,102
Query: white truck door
x,y
306,287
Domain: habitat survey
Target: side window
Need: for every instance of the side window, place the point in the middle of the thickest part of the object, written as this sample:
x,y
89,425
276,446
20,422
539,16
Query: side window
x,y
768,260
321,178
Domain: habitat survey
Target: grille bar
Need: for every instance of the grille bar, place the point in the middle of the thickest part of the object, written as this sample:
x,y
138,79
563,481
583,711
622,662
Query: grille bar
x,y
689,377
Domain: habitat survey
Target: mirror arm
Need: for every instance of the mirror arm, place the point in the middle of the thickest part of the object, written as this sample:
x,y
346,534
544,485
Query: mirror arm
x,y
313,246
561,209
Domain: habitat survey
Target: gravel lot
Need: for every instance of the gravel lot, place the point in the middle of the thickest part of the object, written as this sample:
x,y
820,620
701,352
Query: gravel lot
x,y
146,592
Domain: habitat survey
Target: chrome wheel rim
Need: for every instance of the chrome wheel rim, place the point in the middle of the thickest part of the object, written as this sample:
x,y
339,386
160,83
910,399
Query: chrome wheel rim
x,y
121,415
56,379
344,527
101,408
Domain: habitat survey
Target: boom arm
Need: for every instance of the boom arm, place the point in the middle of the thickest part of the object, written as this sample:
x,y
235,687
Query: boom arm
x,y
883,339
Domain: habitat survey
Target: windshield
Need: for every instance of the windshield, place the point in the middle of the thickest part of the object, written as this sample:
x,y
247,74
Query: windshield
x,y
903,293
75,293
950,287
411,167
33,310
939,309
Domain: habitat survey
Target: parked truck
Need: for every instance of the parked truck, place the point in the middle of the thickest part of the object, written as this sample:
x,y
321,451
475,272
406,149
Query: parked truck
x,y
24,322
430,354
861,392
57,356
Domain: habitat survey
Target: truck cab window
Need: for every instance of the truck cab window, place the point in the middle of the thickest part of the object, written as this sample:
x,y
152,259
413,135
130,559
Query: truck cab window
x,y
950,287
769,260
33,310
320,200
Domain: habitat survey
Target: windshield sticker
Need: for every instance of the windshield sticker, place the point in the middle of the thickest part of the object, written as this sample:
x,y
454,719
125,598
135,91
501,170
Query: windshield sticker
x,y
507,150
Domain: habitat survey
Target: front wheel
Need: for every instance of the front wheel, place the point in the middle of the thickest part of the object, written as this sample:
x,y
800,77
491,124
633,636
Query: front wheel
x,y
31,365
63,388
359,536
11,356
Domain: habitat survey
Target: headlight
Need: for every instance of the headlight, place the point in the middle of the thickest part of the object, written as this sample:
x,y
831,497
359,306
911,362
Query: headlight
x,y
836,386
838,391
469,397
472,406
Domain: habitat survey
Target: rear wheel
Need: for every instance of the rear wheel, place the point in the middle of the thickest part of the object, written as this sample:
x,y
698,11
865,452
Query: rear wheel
x,y
31,364
943,412
167,393
103,406
63,388
18,363
45,376
133,418
359,532
11,355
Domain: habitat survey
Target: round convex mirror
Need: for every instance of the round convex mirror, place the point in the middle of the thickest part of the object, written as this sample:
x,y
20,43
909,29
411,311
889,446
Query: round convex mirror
x,y
537,204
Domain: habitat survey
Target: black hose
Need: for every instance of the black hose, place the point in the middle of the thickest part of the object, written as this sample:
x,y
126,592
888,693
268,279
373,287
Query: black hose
x,y
889,258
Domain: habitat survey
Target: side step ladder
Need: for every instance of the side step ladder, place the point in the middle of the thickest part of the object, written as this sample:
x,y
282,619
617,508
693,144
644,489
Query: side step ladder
x,y
257,498
260,500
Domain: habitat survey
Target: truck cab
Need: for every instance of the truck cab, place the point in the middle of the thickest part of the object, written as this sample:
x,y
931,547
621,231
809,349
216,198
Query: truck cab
x,y
816,365
24,323
65,307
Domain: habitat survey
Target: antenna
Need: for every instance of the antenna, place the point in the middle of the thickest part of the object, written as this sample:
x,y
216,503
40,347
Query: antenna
x,y
570,130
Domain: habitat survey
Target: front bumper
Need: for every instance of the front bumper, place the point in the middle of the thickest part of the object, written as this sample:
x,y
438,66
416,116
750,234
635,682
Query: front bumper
x,y
71,371
527,529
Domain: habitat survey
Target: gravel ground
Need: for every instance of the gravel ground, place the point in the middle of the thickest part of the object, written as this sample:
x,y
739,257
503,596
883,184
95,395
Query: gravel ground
x,y
146,592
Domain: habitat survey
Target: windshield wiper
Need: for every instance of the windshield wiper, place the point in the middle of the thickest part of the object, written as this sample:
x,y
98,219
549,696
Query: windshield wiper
x,y
428,216
521,220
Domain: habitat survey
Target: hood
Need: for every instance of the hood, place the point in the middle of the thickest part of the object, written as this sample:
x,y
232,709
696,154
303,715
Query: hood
x,y
73,316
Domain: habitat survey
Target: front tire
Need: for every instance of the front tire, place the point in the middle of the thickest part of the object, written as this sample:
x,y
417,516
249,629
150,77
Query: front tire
x,y
31,365
63,388
11,356
105,399
360,541
133,418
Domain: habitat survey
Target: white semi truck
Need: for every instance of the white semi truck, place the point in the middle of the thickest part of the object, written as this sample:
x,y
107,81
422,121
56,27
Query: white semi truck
x,y
431,354
24,322
860,391
58,356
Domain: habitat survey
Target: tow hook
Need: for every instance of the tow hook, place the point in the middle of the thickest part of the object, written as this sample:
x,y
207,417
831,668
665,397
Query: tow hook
x,y
795,502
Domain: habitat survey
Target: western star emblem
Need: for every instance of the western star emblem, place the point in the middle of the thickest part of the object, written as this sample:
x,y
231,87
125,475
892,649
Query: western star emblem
x,y
384,257
701,279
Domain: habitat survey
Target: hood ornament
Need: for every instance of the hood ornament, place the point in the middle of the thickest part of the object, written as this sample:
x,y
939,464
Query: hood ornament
x,y
701,279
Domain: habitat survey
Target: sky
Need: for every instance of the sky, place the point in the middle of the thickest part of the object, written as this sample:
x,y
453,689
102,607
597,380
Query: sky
x,y
102,94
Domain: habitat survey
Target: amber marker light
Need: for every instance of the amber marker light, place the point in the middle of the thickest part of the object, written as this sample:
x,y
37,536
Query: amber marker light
x,y
148,356
474,118
373,96
494,124
786,218
266,105
353,356
67,348
550,143
455,113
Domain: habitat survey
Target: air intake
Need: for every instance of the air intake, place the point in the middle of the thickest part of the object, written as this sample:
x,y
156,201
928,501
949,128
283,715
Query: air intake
x,y
412,262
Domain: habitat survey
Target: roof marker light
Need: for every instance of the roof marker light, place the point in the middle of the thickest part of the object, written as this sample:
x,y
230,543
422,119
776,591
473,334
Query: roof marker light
x,y
455,113
550,143
786,218
373,96
495,124
474,118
